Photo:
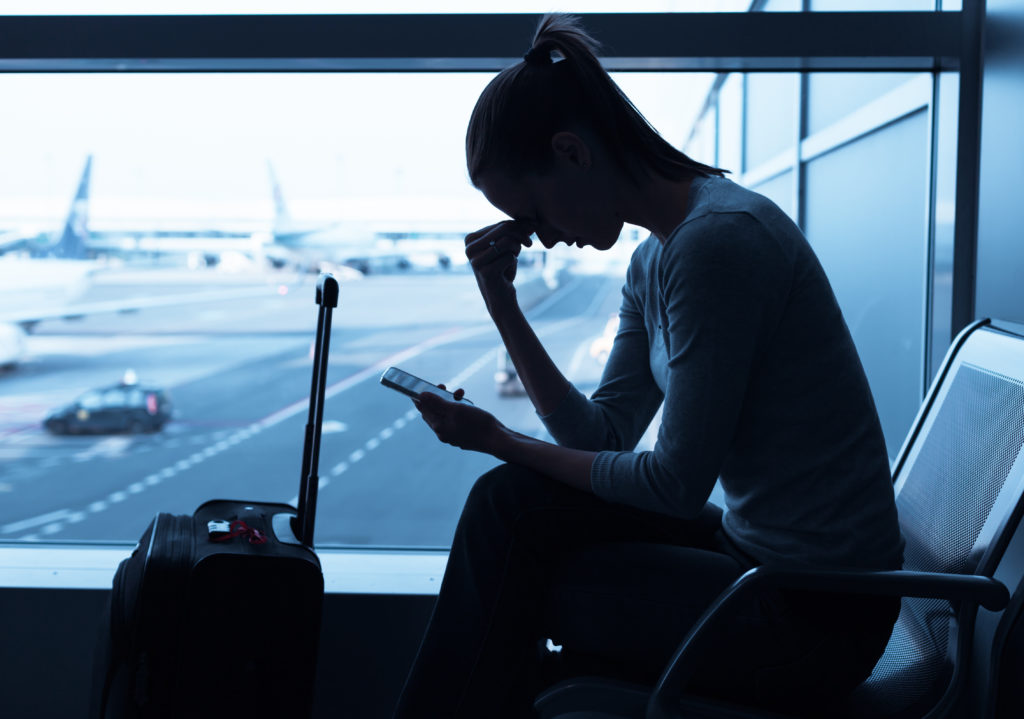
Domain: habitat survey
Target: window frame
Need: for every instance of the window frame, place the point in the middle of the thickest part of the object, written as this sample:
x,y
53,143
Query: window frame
x,y
931,41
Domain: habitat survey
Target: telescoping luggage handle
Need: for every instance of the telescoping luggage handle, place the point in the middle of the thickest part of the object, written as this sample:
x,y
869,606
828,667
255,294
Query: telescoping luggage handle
x,y
327,291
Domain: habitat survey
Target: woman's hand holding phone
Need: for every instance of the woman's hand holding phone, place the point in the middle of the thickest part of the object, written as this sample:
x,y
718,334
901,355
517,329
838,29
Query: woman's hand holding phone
x,y
458,423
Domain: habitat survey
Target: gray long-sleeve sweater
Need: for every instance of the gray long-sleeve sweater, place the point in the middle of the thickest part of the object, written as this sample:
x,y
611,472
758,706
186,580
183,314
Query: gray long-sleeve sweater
x,y
733,325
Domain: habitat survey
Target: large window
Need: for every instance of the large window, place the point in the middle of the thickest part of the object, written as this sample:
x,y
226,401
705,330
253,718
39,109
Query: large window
x,y
208,202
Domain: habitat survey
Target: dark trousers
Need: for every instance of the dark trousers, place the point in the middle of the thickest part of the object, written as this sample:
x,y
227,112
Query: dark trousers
x,y
619,587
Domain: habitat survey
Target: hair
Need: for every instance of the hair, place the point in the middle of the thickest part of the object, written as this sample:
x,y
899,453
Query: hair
x,y
560,85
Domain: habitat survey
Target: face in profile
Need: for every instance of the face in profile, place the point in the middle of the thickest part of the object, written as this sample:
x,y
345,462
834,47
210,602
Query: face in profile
x,y
571,203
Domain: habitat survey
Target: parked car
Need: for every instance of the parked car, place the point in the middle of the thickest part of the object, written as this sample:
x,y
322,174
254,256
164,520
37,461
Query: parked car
x,y
124,407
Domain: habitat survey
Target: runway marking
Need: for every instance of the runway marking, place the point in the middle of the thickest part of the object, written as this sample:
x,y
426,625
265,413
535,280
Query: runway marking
x,y
34,521
54,521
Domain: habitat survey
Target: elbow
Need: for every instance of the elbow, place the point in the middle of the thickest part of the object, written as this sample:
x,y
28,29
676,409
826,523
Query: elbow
x,y
679,492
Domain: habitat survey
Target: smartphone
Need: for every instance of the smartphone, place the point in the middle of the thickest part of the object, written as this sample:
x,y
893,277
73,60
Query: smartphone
x,y
412,385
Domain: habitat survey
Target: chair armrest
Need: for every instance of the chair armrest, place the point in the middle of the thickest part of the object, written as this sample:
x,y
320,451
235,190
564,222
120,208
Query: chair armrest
x,y
989,593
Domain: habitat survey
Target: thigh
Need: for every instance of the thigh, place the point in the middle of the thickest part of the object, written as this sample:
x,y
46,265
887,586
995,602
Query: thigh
x,y
518,505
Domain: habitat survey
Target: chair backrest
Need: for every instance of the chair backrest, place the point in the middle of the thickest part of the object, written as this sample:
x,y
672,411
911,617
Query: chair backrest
x,y
958,481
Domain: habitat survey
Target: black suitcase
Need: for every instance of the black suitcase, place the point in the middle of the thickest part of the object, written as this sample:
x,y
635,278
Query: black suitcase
x,y
217,614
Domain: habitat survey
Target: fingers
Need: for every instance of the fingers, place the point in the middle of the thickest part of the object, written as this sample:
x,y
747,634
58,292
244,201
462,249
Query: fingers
x,y
487,245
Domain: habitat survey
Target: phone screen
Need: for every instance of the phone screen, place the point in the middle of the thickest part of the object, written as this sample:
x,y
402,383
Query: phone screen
x,y
412,385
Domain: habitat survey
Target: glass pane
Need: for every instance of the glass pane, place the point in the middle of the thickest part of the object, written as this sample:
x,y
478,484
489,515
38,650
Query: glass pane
x,y
783,6
872,5
211,213
771,116
730,124
944,217
865,217
833,96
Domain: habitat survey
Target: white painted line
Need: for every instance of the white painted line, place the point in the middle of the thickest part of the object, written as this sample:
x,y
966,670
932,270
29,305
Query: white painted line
x,y
386,433
446,337
339,468
400,422
35,521
166,473
76,517
152,480
117,497
136,488
324,481
97,506
372,443
356,456
52,528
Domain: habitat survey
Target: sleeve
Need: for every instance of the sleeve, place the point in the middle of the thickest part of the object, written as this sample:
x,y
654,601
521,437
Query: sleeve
x,y
725,281
626,399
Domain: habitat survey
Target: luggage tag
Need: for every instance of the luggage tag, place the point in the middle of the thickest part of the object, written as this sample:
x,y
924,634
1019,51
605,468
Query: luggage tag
x,y
218,528
221,530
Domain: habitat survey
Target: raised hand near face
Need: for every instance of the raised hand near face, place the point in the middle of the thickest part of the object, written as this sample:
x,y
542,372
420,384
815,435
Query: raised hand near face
x,y
493,253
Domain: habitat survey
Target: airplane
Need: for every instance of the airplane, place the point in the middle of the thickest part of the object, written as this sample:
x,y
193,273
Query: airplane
x,y
350,244
43,275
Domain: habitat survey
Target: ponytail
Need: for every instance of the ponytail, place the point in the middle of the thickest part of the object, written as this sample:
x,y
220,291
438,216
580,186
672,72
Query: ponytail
x,y
561,85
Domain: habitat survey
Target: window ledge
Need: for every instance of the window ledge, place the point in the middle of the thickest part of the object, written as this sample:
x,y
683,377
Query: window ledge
x,y
346,571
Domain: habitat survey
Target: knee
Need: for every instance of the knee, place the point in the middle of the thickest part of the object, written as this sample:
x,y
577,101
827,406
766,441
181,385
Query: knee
x,y
504,492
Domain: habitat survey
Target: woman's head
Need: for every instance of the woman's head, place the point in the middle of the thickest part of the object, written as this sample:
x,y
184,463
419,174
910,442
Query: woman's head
x,y
560,86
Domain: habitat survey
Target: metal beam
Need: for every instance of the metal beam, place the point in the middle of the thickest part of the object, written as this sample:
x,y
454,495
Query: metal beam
x,y
763,41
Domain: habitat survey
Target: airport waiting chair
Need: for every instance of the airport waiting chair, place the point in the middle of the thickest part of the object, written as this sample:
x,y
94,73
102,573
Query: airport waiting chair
x,y
959,480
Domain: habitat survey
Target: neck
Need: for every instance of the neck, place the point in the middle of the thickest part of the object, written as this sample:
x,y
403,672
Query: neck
x,y
658,204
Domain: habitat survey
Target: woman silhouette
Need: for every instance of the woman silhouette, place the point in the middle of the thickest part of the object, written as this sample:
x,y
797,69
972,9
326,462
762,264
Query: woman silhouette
x,y
728,324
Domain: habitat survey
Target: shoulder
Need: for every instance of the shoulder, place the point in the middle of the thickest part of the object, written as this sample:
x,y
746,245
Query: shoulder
x,y
729,221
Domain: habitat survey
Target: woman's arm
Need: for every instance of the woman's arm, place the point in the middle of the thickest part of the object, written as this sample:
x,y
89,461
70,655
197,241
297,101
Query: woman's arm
x,y
493,254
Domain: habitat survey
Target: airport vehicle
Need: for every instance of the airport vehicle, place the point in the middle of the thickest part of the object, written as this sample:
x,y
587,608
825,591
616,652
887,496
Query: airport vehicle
x,y
124,407
601,347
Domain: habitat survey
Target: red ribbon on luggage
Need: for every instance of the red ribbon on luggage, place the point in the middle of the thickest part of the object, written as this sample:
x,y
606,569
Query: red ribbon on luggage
x,y
241,529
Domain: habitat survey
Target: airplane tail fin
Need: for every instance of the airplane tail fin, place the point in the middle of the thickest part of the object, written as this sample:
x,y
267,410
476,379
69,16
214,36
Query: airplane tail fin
x,y
72,242
282,219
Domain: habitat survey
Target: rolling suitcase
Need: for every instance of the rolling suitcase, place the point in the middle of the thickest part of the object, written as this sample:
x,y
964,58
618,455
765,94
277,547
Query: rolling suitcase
x,y
217,614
